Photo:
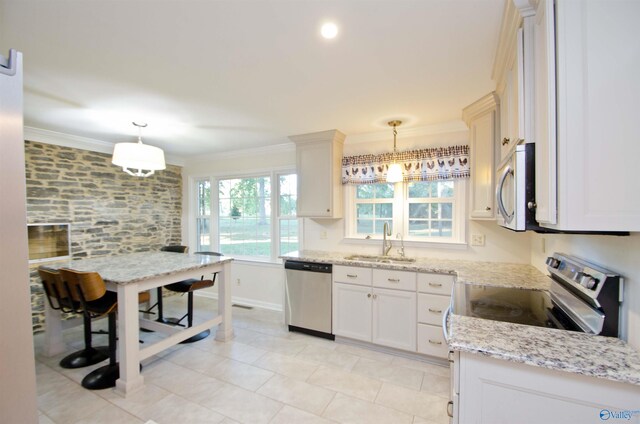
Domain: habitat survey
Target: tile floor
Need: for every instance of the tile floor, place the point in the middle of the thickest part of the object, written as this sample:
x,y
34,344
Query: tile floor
x,y
264,375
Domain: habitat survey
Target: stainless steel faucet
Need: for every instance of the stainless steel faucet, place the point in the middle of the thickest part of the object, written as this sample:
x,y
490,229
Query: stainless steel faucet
x,y
386,243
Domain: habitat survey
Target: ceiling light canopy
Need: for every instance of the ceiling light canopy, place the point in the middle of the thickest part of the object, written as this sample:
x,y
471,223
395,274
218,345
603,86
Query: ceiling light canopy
x,y
329,30
137,156
394,173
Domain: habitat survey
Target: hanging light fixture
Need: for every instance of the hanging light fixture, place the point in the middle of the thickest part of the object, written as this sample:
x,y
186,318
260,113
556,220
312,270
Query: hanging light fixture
x,y
131,156
394,173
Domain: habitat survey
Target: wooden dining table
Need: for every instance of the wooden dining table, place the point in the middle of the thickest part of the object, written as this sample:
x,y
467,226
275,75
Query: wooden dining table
x,y
129,274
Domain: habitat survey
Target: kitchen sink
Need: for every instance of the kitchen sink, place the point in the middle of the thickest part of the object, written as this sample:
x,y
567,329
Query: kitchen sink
x,y
380,259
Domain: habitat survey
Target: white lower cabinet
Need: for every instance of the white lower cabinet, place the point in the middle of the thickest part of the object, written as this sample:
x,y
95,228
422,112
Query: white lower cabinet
x,y
394,319
352,311
494,391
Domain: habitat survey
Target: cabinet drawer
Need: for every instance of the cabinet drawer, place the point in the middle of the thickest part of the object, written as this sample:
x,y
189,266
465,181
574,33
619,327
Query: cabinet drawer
x,y
352,275
431,307
391,279
435,283
431,341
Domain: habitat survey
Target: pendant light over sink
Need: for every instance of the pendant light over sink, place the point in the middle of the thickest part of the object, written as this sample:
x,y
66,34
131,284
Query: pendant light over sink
x,y
394,173
137,156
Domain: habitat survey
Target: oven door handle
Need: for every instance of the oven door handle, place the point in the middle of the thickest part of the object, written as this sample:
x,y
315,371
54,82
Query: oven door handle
x,y
445,317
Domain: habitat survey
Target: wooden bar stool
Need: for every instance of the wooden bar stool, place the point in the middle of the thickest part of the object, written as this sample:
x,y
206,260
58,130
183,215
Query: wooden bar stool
x,y
59,299
90,291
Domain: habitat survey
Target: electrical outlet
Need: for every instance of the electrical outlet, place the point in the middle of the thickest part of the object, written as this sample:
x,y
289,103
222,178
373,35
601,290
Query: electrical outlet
x,y
238,281
477,239
323,235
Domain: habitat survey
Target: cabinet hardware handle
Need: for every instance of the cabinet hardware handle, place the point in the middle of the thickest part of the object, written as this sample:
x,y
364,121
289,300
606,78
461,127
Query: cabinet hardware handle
x,y
435,284
435,311
375,296
488,208
450,409
505,141
328,210
435,342
393,280
368,294
352,275
450,356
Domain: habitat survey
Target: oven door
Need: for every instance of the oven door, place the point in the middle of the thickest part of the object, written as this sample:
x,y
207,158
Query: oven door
x,y
510,191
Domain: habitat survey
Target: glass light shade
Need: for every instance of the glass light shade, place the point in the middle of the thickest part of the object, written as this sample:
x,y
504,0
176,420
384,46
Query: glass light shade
x,y
394,173
138,156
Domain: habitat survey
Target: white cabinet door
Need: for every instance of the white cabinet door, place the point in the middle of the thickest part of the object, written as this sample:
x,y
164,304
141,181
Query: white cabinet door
x,y
352,311
318,165
545,112
394,318
481,118
496,391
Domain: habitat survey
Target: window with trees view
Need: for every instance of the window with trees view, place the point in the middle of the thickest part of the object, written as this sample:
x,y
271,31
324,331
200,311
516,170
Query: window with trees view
x,y
419,210
247,224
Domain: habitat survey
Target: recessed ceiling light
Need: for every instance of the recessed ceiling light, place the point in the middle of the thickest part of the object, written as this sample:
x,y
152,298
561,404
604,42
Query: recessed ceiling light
x,y
329,30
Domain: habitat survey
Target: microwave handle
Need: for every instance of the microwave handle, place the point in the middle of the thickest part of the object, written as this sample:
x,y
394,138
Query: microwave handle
x,y
501,208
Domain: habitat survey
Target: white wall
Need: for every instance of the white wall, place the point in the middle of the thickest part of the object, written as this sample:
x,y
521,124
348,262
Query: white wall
x,y
620,254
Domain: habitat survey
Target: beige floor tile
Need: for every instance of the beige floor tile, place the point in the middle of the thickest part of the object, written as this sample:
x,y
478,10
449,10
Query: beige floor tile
x,y
420,420
43,419
401,376
108,415
436,385
289,366
175,409
279,344
234,350
182,381
291,415
70,404
344,382
422,404
136,403
195,359
297,393
242,405
324,356
365,353
240,374
440,370
49,380
245,335
345,409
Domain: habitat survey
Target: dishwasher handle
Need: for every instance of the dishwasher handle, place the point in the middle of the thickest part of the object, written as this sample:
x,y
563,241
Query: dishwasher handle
x,y
445,317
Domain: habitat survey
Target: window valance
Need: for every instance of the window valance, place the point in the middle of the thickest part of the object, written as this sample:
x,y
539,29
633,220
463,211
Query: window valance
x,y
440,163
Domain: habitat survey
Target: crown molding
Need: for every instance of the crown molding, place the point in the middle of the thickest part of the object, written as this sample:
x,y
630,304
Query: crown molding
x,y
329,135
480,107
515,11
446,127
79,142
256,151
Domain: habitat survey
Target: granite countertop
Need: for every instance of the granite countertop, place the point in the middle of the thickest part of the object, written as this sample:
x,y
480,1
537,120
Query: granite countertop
x,y
594,356
472,272
135,267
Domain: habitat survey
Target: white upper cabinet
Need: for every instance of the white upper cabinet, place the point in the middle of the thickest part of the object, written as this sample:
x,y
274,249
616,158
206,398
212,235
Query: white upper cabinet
x,y
318,165
586,120
482,119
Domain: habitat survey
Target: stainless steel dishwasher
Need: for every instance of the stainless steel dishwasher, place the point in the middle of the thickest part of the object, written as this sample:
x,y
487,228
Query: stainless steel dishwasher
x,y
308,298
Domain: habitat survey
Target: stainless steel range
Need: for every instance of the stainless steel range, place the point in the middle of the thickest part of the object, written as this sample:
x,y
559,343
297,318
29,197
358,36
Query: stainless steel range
x,y
582,297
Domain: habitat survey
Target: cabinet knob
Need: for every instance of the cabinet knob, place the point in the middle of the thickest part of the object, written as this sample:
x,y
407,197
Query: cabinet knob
x,y
375,296
505,141
368,294
488,208
328,210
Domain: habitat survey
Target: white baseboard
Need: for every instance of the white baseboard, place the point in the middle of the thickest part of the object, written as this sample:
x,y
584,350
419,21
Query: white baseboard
x,y
244,301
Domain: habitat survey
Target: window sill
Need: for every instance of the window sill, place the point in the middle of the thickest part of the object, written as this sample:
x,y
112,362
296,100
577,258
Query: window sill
x,y
453,245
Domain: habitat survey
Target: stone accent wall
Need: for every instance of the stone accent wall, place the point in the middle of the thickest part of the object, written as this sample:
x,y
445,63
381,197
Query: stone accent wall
x,y
110,212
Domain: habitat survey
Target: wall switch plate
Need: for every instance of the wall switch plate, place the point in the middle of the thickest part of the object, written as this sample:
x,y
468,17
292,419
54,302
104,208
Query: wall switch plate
x,y
477,239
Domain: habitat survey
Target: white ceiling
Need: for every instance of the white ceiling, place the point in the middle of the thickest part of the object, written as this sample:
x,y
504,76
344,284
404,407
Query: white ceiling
x,y
212,76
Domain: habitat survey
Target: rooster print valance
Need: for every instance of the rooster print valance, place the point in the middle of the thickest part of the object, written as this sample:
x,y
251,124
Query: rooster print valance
x,y
441,163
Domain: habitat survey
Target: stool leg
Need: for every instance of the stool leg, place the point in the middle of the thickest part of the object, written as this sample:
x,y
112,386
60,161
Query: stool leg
x,y
87,356
105,377
200,335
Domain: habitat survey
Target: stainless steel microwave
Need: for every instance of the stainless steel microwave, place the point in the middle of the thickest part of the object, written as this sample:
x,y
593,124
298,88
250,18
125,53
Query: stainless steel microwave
x,y
515,191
